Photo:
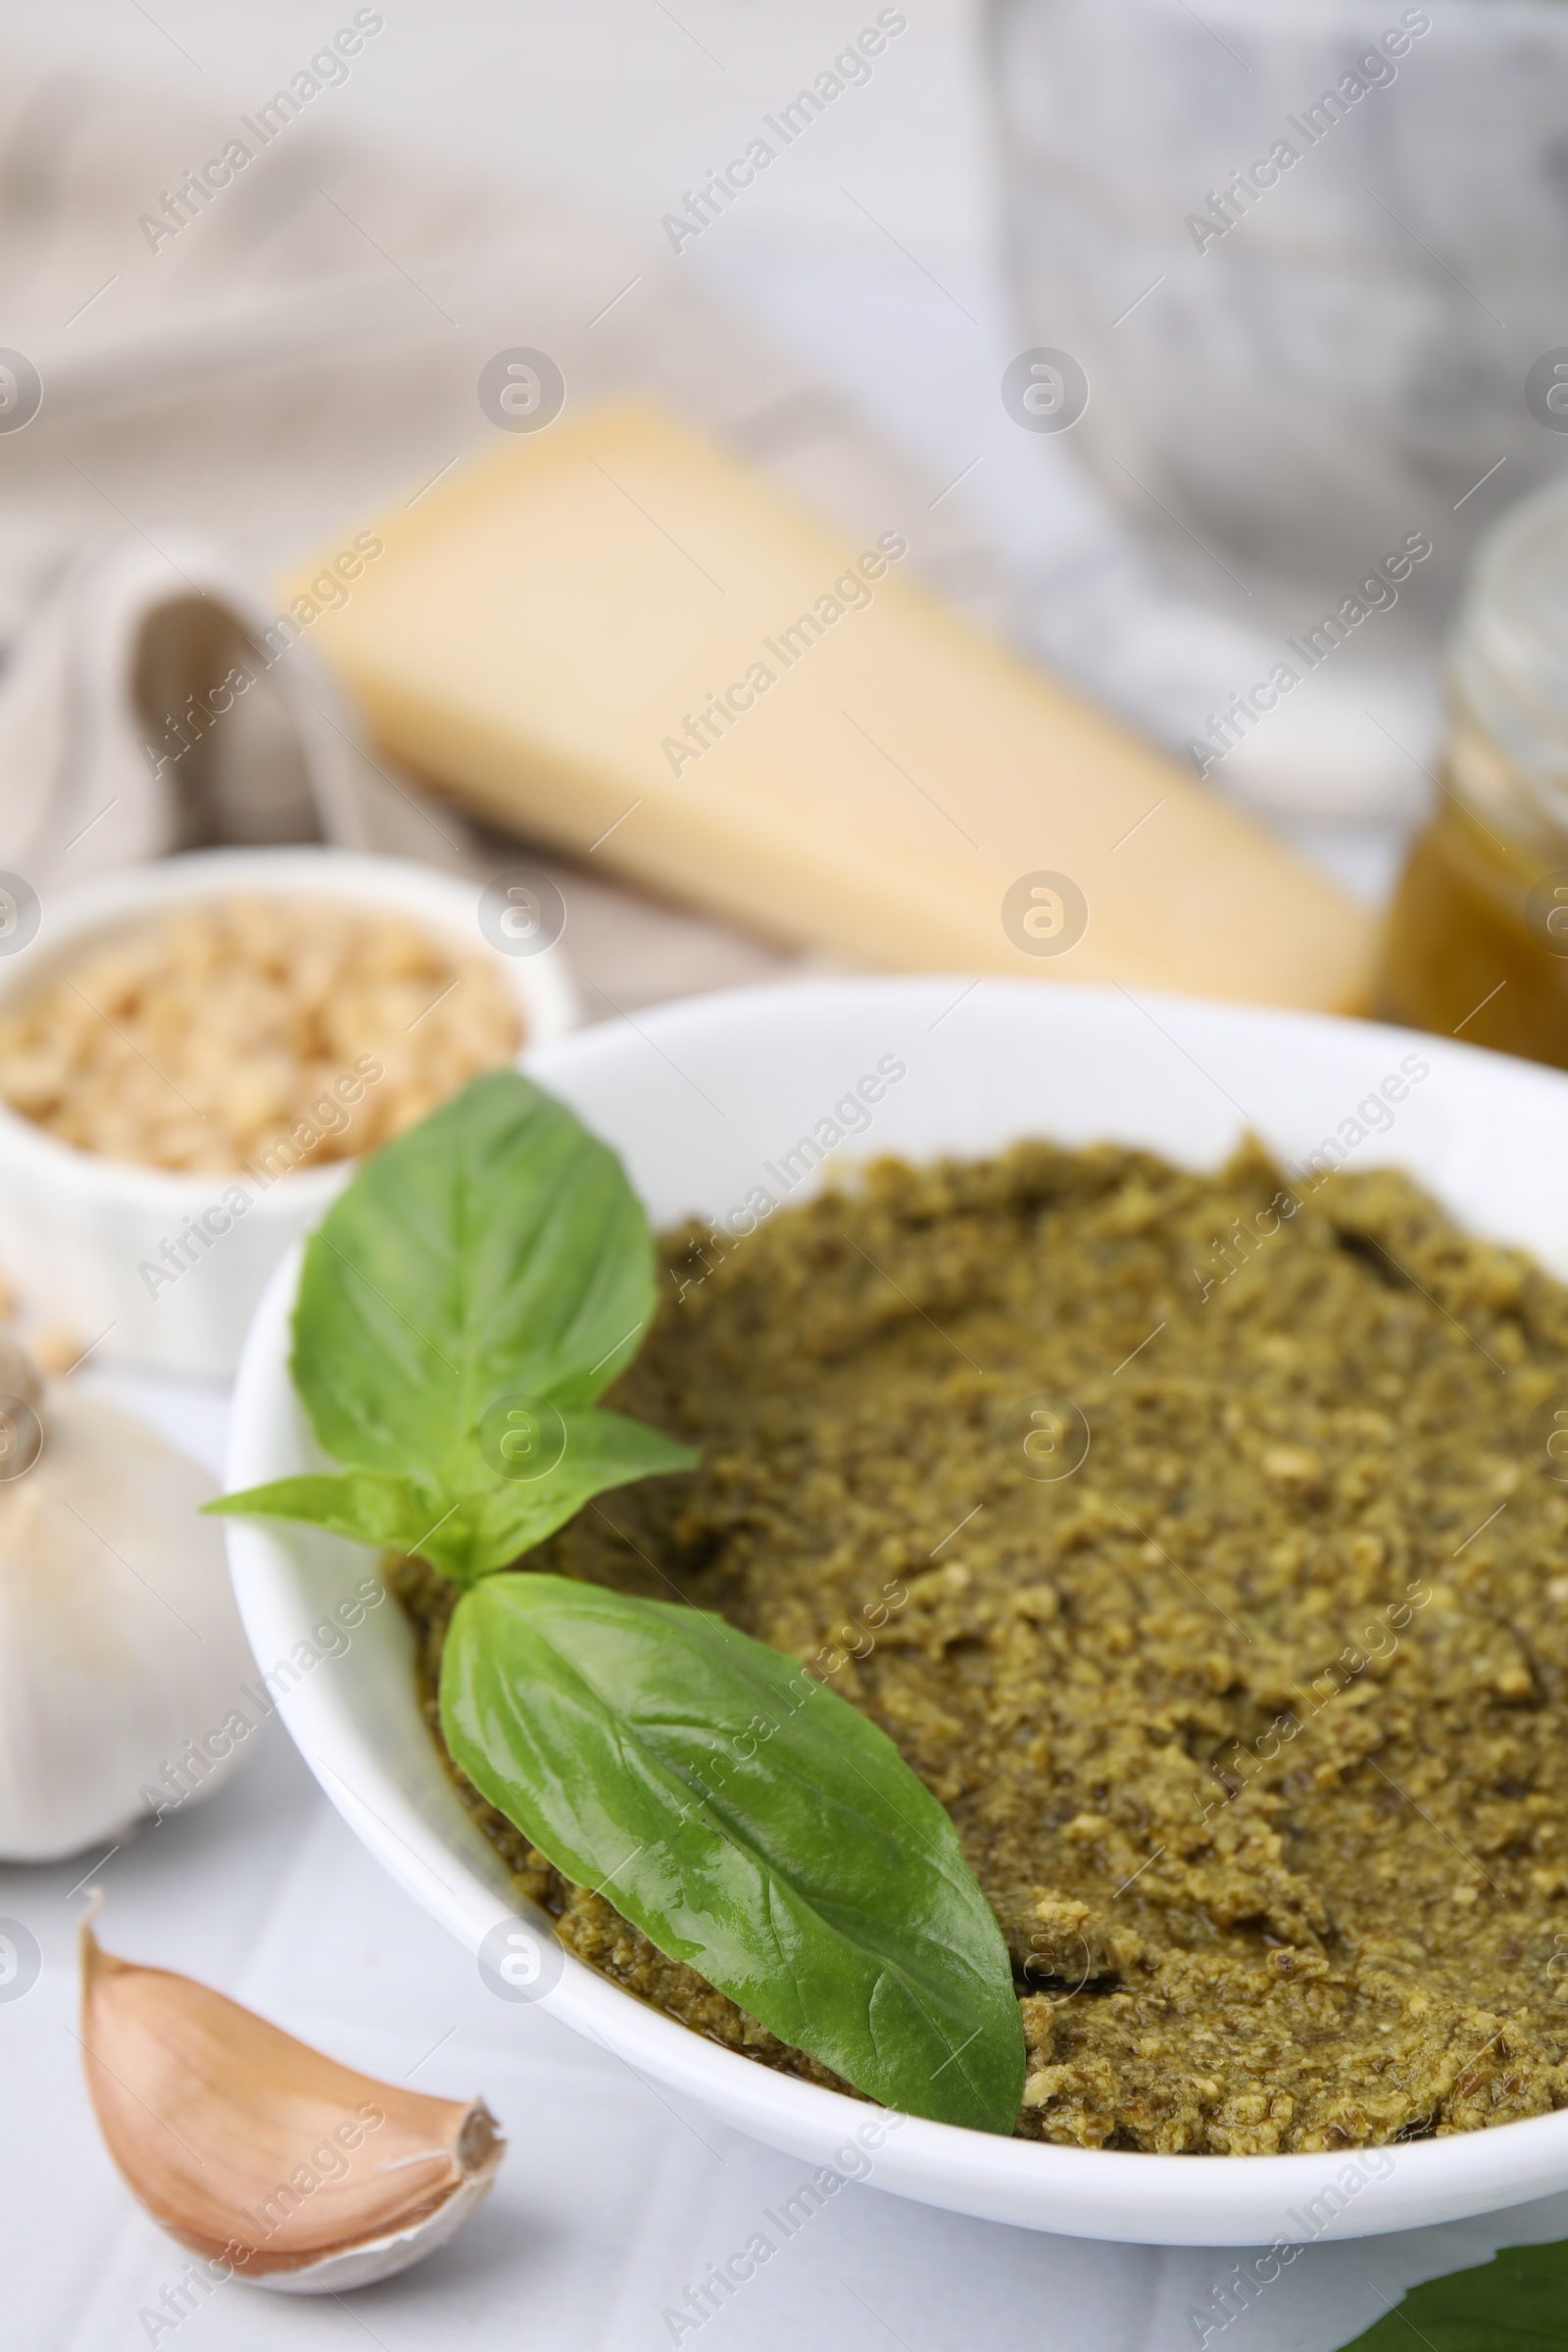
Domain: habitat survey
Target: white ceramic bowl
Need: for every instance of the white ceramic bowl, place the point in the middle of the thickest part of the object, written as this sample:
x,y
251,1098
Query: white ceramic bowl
x,y
702,1099
75,1229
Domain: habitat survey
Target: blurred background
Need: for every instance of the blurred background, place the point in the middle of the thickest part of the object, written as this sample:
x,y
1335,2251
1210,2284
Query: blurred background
x,y
1284,371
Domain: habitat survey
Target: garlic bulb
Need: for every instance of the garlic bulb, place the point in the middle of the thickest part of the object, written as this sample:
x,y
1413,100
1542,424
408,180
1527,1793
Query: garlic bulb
x,y
122,1654
275,2164
20,1394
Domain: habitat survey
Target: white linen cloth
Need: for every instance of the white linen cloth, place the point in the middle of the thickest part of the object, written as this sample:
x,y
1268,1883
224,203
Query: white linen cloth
x,y
221,397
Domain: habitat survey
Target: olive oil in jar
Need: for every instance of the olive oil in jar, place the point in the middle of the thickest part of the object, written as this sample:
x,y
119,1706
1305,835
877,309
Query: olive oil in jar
x,y
1476,945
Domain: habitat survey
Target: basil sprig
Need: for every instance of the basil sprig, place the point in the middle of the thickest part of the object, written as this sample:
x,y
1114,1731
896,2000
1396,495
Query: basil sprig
x,y
480,1281
467,1300
751,1823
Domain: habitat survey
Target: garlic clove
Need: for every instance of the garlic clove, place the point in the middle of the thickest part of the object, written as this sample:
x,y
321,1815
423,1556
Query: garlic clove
x,y
272,2161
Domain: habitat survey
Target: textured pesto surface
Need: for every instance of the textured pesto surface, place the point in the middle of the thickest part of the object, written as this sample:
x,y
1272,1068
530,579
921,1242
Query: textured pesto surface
x,y
1253,1727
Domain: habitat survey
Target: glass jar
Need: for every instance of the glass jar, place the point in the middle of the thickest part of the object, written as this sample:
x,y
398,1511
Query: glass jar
x,y
1476,944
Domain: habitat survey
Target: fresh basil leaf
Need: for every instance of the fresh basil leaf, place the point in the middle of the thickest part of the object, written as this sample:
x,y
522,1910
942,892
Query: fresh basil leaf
x,y
495,1248
495,1521
478,1283
365,1505
386,1512
1517,2302
602,1450
751,1823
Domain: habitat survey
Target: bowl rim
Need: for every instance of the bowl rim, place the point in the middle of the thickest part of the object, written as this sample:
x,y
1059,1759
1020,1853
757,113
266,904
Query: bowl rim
x,y
541,987
1103,2193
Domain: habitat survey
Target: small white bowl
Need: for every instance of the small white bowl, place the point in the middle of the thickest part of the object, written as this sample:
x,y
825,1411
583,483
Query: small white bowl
x,y
704,1101
76,1228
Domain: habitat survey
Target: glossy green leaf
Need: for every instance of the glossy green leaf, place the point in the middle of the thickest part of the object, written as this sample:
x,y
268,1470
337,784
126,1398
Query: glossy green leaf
x,y
495,1248
489,1525
1517,2302
480,1281
751,1823
363,1504
602,1450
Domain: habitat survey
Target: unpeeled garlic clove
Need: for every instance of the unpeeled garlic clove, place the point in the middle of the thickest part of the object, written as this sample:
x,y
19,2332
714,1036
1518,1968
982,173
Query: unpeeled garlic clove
x,y
268,2160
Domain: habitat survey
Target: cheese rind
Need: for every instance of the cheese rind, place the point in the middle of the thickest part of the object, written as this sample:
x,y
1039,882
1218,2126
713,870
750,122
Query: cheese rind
x,y
618,624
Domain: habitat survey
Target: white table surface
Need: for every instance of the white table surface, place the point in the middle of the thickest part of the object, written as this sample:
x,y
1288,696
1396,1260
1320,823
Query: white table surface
x,y
611,2198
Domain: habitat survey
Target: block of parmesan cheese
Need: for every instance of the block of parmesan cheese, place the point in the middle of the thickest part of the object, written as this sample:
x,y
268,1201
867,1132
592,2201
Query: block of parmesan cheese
x,y
614,623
